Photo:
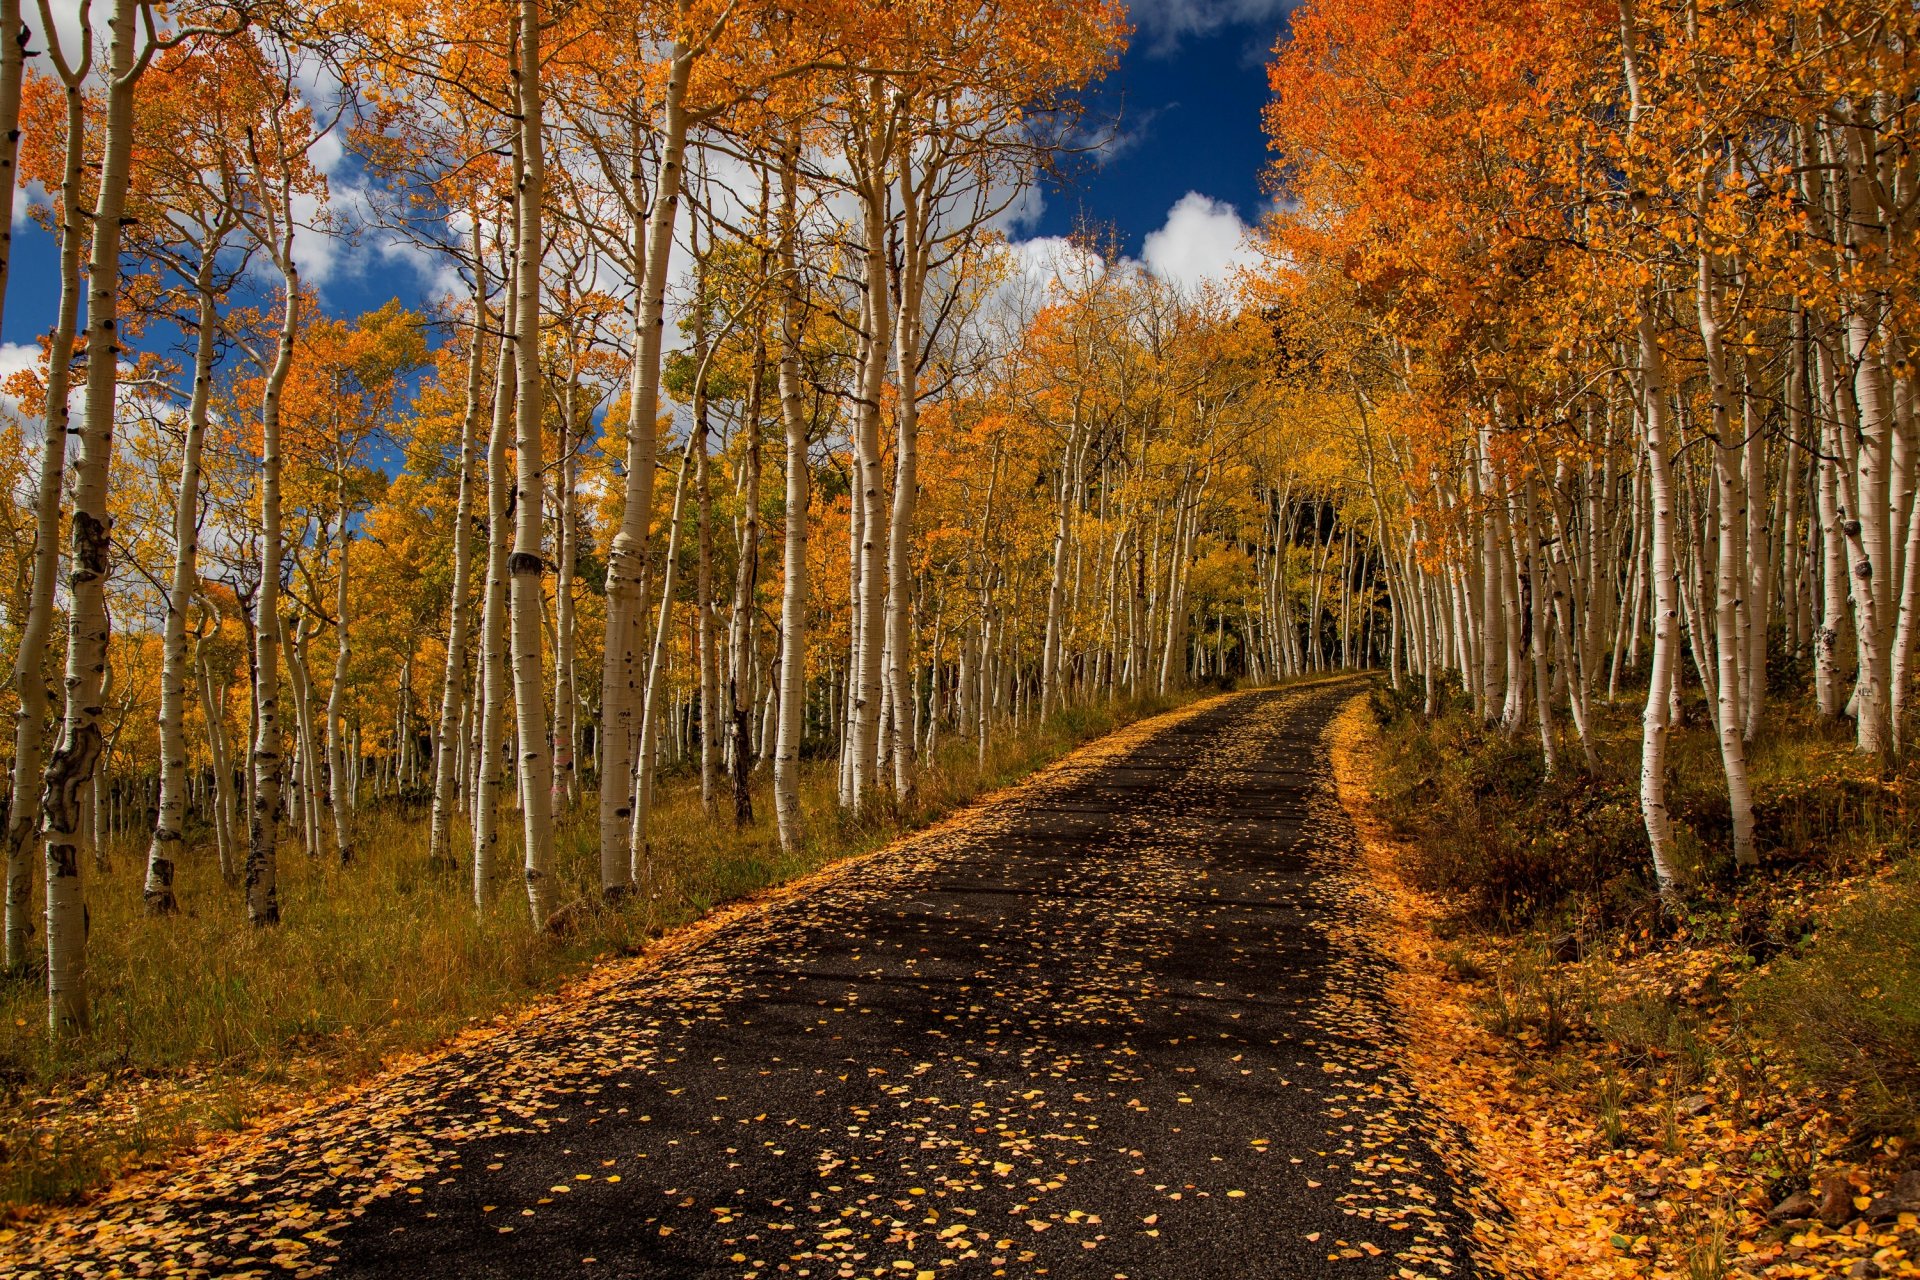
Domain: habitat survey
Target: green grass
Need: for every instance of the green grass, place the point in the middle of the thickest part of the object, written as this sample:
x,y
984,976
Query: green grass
x,y
201,1021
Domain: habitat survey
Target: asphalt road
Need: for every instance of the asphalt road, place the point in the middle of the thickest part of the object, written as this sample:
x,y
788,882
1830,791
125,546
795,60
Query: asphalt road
x,y
1123,1023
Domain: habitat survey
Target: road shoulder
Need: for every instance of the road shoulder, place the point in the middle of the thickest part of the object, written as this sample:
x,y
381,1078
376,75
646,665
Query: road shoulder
x,y
1530,1217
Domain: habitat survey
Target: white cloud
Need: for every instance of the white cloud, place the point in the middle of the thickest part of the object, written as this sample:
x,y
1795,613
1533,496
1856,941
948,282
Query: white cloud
x,y
1202,240
25,197
1164,23
1022,211
66,24
1047,259
14,357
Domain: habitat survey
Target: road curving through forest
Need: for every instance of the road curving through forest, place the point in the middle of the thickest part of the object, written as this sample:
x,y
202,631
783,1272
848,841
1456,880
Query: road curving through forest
x,y
1119,1022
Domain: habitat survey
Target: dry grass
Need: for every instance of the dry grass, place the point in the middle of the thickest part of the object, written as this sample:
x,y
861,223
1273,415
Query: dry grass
x,y
202,1022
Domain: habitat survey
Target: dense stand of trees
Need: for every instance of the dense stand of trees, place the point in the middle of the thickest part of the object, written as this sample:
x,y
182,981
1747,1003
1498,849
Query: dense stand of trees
x,y
1619,297
736,440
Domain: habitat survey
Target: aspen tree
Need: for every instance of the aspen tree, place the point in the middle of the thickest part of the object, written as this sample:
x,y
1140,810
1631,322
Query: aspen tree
x,y
793,602
525,563
446,740
23,807
171,814
493,626
275,230
70,768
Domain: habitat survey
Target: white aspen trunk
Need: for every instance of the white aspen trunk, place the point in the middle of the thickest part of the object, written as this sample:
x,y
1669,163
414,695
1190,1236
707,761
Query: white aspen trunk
x,y
742,631
706,660
71,766
172,809
221,761
23,802
449,737
907,343
293,638
873,158
339,794
1538,580
1492,632
850,697
793,597
262,866
1833,549
489,764
1904,635
1869,536
1757,602
1730,574
1666,609
525,565
627,553
565,788
642,871
1057,581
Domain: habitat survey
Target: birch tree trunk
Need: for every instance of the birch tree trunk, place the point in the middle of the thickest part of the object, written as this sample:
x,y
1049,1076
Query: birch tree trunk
x,y
493,634
525,566
872,159
642,870
70,768
339,791
566,787
1666,609
221,761
627,554
1730,573
29,661
447,737
705,659
745,584
171,815
793,596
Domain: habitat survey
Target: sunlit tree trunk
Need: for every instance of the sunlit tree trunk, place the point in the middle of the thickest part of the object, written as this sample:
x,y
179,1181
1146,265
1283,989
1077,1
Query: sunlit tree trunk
x,y
220,758
339,790
872,158
70,768
793,598
171,817
525,564
448,739
565,623
490,766
1730,573
1666,608
643,871
706,665
742,630
29,661
627,553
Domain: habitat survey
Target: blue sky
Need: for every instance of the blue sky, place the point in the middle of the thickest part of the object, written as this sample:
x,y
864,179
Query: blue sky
x,y
1188,96
1180,177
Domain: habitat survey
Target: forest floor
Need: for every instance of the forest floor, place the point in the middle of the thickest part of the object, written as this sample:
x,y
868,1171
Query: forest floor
x,y
1734,1097
1128,1020
204,1026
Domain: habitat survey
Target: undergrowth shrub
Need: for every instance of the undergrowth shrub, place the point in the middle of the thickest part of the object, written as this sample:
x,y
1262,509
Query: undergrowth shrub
x,y
1512,846
1492,831
1848,1006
